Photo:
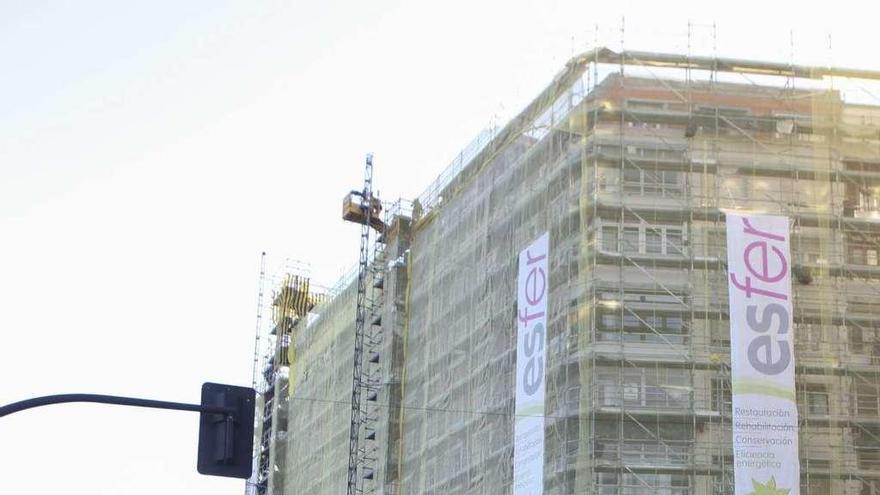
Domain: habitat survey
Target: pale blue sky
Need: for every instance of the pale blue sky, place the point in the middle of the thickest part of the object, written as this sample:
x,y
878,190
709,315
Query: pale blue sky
x,y
150,150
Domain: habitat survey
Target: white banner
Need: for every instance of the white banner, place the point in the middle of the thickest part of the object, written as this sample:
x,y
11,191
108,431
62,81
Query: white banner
x,y
765,419
531,304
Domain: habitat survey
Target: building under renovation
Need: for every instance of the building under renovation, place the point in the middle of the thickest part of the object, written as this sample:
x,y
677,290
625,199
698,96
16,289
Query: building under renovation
x,y
630,161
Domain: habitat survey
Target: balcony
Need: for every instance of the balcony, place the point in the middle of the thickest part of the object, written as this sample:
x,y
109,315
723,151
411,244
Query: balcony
x,y
646,454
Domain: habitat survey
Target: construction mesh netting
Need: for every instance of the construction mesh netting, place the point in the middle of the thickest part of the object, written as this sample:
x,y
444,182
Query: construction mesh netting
x,y
629,160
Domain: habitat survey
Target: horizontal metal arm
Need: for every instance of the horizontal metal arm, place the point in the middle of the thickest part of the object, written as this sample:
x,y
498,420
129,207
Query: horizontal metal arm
x,y
110,399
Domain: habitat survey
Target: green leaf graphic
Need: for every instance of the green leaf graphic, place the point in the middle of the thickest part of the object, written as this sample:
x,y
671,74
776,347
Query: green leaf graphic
x,y
769,488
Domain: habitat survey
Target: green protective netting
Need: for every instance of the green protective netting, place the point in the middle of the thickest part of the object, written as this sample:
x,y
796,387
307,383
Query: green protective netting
x,y
631,172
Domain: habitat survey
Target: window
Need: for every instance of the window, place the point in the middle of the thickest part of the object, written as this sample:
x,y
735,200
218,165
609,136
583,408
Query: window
x,y
672,181
632,385
632,180
642,484
722,485
719,332
869,198
856,341
722,398
609,238
667,387
644,387
673,324
661,298
631,321
642,327
636,104
644,239
653,241
631,240
811,336
674,241
609,393
807,249
607,483
860,254
867,399
610,321
865,443
727,111
816,399
865,340
814,485
652,182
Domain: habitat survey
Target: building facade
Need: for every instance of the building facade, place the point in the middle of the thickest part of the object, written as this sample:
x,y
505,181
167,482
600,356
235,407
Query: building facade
x,y
630,162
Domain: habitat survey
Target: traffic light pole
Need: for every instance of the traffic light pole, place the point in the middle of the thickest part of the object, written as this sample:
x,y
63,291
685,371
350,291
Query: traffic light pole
x,y
112,399
226,423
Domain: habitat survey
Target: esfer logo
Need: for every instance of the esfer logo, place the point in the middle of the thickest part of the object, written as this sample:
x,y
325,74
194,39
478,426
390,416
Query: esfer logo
x,y
763,283
534,290
532,293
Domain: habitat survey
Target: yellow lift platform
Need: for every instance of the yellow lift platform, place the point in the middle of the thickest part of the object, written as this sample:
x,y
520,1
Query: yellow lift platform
x,y
354,211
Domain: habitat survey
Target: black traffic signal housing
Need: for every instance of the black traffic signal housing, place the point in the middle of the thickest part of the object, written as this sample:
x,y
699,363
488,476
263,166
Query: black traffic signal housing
x,y
226,441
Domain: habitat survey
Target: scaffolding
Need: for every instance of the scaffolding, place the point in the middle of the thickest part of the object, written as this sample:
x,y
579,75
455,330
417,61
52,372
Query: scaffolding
x,y
321,375
630,160
368,337
292,299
